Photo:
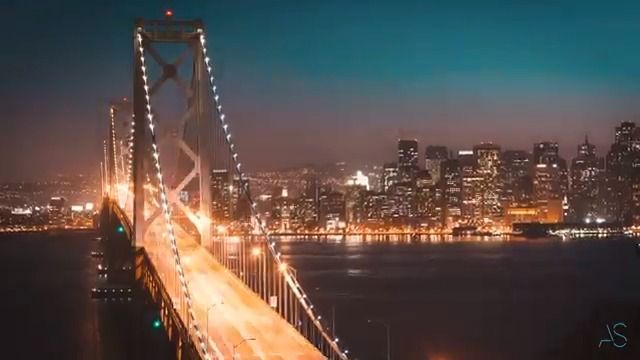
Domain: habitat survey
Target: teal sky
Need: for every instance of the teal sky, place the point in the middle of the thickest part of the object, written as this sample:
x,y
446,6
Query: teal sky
x,y
332,80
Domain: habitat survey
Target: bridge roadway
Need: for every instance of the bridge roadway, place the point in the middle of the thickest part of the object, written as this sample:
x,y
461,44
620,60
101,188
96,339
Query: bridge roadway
x,y
242,314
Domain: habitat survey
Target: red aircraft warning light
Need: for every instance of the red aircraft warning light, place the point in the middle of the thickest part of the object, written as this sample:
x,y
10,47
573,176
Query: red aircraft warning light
x,y
168,13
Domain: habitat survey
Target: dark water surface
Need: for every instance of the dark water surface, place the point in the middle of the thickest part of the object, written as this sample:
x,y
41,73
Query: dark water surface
x,y
45,301
445,301
465,300
47,310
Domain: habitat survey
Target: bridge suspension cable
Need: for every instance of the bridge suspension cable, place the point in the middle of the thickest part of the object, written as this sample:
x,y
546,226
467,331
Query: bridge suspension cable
x,y
286,271
165,205
129,162
122,152
112,158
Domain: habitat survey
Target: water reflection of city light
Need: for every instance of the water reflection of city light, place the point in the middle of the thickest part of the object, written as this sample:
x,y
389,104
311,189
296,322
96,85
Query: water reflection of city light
x,y
356,272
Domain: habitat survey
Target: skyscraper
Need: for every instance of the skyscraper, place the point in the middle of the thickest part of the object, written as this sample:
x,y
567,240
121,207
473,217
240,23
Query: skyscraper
x,y
407,159
470,190
626,133
452,190
433,158
550,181
545,152
429,198
332,209
376,208
518,183
389,176
57,211
240,205
220,195
354,202
488,167
623,175
282,210
585,181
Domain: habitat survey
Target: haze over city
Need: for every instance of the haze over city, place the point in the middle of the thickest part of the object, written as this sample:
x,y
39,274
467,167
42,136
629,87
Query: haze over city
x,y
331,81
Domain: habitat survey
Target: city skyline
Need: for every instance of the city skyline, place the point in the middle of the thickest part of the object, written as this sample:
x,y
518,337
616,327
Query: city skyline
x,y
565,151
436,72
290,179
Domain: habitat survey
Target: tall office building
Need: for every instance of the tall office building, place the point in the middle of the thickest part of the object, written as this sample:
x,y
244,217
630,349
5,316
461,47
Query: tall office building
x,y
374,173
389,176
57,211
354,202
221,189
307,205
518,183
311,188
452,192
282,211
332,209
488,168
405,201
545,152
376,208
626,133
407,159
550,181
305,214
434,156
586,172
622,200
429,200
240,205
424,196
471,187
550,190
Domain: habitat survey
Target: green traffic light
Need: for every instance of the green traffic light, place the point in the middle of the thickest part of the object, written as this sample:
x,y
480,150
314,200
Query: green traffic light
x,y
157,324
120,229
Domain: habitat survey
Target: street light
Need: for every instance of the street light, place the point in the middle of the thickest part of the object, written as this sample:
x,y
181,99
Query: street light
x,y
240,343
256,251
388,335
282,267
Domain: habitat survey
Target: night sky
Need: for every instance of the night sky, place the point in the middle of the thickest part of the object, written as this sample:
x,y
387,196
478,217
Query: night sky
x,y
315,81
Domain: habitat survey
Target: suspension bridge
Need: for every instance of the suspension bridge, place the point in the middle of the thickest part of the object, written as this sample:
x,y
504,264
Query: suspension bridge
x,y
234,295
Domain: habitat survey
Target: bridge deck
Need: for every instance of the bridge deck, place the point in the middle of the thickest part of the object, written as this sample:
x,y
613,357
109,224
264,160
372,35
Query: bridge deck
x,y
242,315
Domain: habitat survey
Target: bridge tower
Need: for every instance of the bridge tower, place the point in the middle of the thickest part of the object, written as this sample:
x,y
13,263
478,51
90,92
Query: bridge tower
x,y
118,154
194,131
201,126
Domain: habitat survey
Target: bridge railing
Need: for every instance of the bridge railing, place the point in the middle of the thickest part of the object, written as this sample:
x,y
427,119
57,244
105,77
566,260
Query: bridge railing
x,y
177,331
115,209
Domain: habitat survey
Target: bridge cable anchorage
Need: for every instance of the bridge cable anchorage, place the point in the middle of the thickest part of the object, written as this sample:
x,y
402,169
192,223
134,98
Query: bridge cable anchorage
x,y
165,205
290,280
